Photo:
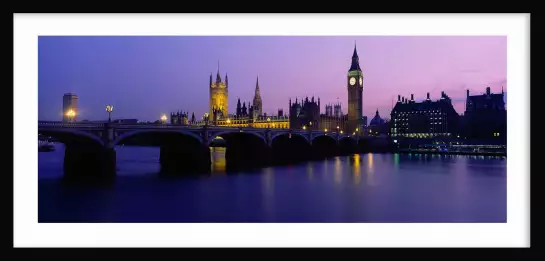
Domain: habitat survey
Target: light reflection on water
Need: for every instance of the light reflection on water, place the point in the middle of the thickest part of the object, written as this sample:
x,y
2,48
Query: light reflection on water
x,y
217,155
396,188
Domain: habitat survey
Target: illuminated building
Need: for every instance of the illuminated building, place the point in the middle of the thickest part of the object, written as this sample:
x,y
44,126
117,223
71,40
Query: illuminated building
x,y
246,115
305,114
355,91
257,108
69,107
424,119
219,94
333,118
181,118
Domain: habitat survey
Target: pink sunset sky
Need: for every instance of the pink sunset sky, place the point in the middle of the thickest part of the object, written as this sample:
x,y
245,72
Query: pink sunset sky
x,y
147,76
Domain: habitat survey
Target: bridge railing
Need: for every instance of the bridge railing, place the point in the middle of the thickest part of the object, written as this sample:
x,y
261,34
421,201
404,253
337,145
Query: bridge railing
x,y
169,126
70,124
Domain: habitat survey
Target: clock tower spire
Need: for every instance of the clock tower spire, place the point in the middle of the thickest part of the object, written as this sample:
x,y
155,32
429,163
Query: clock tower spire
x,y
355,91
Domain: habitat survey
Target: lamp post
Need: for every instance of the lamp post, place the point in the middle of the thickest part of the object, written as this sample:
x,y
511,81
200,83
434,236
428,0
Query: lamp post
x,y
109,109
71,114
164,119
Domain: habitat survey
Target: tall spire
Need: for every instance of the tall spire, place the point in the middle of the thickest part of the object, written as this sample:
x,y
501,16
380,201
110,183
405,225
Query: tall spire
x,y
218,77
355,66
355,54
257,94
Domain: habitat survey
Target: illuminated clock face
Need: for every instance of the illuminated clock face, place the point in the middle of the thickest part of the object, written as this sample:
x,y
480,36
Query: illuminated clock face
x,y
361,80
352,81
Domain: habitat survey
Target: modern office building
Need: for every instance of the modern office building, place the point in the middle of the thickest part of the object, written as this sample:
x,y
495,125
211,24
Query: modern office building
x,y
69,107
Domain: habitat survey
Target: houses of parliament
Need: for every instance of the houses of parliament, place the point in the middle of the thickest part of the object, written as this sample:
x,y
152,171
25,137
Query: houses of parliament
x,y
304,113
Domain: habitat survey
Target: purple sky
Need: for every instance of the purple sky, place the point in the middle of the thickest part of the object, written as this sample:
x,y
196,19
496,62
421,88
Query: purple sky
x,y
145,77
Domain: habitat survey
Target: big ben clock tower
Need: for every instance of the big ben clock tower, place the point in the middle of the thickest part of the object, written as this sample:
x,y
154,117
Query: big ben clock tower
x,y
355,90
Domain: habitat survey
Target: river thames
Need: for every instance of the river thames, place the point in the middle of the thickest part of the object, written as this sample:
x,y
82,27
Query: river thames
x,y
375,188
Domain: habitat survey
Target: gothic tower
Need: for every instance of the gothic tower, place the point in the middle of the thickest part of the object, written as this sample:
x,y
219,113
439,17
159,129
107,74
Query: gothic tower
x,y
355,90
258,106
218,96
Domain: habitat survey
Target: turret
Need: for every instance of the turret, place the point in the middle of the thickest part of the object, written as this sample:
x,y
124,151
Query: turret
x,y
398,98
487,90
226,81
218,77
238,112
428,96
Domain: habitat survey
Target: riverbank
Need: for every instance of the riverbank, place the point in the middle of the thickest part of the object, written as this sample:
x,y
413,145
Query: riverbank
x,y
470,153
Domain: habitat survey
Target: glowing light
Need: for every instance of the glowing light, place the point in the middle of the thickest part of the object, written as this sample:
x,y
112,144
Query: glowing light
x,y
325,130
341,132
109,108
337,127
71,113
164,117
228,121
268,119
357,129
304,127
310,123
357,169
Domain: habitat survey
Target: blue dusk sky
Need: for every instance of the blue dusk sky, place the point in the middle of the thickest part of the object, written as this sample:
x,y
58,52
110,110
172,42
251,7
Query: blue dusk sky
x,y
145,77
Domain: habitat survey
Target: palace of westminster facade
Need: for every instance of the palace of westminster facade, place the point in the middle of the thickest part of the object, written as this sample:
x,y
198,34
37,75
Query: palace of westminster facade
x,y
304,113
485,114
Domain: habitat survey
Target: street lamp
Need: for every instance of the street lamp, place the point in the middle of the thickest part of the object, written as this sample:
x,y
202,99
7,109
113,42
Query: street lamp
x,y
164,118
71,114
304,127
109,109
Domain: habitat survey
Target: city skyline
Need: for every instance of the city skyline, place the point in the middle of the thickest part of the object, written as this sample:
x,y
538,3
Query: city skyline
x,y
145,77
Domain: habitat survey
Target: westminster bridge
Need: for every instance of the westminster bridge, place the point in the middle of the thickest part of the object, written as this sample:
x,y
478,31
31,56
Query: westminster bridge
x,y
90,147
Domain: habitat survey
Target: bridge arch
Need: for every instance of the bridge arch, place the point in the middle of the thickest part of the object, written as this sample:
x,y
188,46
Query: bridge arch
x,y
331,136
278,134
131,133
347,137
86,135
236,132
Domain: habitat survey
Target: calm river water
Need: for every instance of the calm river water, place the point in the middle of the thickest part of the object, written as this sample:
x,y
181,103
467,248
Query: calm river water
x,y
359,188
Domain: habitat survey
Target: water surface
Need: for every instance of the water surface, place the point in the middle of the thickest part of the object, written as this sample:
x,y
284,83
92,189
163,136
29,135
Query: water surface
x,y
359,188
